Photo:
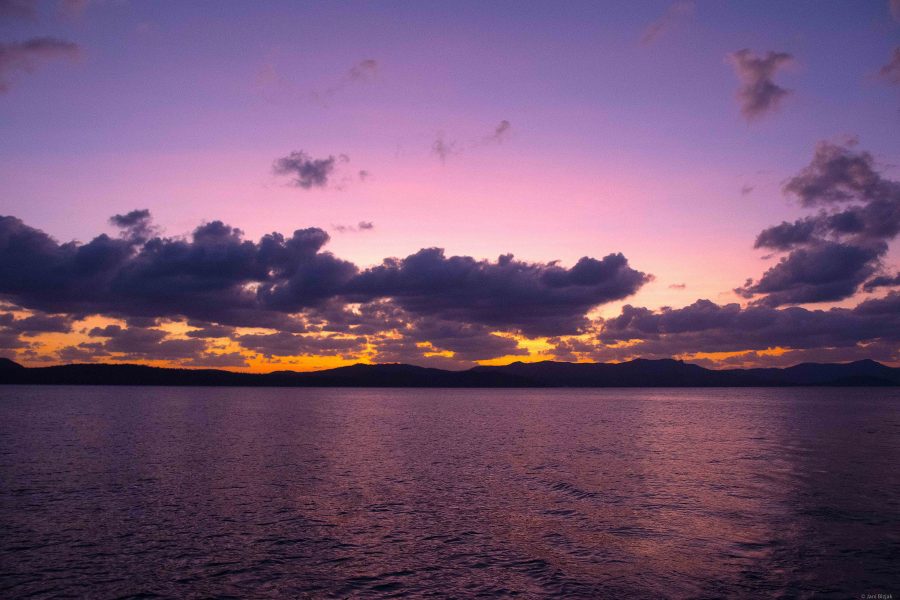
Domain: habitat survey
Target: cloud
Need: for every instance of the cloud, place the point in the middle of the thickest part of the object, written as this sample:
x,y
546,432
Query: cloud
x,y
276,87
74,8
36,323
18,9
894,7
361,226
363,71
135,225
882,281
676,12
289,344
444,148
708,327
307,172
832,253
214,276
217,277
27,56
538,298
820,272
891,71
677,286
746,190
501,132
758,94
147,344
209,330
837,173
13,327
467,341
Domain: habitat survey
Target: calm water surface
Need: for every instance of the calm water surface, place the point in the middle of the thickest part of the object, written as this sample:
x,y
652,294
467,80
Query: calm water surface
x,y
178,492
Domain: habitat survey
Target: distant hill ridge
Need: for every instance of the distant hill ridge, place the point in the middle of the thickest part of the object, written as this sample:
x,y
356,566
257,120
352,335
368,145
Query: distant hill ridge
x,y
635,373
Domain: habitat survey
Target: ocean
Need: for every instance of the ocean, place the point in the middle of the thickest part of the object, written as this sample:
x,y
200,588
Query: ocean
x,y
112,492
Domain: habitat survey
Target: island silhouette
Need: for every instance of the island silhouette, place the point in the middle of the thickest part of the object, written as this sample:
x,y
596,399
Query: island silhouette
x,y
634,373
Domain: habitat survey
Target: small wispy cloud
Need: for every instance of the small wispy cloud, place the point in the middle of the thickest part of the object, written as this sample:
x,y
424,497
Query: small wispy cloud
x,y
501,132
444,148
18,9
759,94
891,71
274,86
361,226
363,71
27,56
674,14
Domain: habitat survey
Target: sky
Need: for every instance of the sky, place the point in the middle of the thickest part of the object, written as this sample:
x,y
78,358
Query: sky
x,y
470,182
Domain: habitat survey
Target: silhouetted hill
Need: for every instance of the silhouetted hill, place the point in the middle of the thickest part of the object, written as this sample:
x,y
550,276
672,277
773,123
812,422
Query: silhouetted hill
x,y
636,373
6,363
676,373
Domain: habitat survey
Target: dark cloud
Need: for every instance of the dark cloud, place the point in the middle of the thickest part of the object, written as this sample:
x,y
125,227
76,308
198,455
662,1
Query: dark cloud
x,y
289,344
408,351
677,286
36,323
894,7
209,330
821,272
467,341
882,281
539,298
758,94
838,173
217,278
891,71
787,235
139,321
10,340
139,343
708,327
832,253
145,344
675,13
306,172
135,225
27,56
82,353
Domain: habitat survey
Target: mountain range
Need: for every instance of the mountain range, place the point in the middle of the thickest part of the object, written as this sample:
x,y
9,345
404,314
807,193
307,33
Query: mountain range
x,y
635,373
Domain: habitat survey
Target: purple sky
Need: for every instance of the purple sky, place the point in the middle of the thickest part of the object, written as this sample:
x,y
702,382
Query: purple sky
x,y
552,131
